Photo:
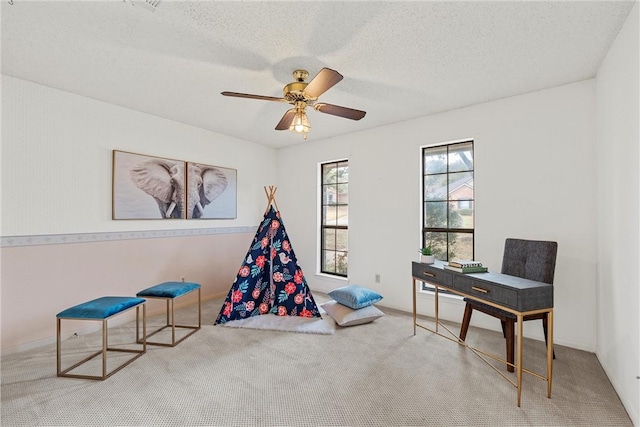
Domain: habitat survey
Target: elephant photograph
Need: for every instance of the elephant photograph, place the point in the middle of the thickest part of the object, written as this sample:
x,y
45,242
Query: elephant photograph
x,y
147,187
211,192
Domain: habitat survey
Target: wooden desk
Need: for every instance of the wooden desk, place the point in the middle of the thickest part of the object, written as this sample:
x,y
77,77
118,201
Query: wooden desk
x,y
512,294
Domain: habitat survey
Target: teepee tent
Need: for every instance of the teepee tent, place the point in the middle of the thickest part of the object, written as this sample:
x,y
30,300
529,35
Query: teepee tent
x,y
269,281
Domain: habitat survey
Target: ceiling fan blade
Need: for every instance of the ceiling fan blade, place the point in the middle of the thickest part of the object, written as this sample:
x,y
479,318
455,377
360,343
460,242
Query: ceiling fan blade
x,y
336,110
322,82
247,95
286,120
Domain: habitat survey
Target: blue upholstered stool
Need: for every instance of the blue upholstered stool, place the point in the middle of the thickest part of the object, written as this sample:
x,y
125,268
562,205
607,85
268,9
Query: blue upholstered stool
x,y
169,291
101,309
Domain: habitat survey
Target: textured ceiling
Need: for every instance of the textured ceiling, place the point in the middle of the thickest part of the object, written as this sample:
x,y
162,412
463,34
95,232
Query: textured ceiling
x,y
400,60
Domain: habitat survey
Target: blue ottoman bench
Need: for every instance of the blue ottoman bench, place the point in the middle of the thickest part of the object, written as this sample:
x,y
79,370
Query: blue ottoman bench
x,y
170,291
101,309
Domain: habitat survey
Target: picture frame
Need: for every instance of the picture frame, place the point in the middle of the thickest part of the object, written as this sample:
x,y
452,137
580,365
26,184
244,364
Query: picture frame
x,y
211,192
147,187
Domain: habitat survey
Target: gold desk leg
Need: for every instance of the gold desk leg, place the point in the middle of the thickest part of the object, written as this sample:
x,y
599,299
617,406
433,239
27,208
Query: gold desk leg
x,y
437,308
519,358
549,351
414,306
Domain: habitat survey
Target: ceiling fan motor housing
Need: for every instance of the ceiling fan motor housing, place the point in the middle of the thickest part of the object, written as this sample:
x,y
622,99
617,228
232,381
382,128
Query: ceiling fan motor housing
x,y
294,92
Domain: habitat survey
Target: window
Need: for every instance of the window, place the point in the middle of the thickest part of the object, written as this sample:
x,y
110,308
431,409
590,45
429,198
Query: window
x,y
447,200
335,218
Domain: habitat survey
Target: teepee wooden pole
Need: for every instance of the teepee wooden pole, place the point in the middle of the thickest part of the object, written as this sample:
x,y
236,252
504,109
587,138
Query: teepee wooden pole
x,y
271,197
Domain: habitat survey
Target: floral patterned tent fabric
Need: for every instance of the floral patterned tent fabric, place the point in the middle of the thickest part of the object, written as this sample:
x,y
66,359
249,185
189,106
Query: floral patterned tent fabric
x,y
270,279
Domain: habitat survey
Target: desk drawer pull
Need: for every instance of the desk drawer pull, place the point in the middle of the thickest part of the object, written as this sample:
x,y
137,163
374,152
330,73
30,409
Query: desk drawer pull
x,y
428,274
484,291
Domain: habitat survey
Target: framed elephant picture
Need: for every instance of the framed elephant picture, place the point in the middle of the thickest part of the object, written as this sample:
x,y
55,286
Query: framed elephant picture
x,y
211,192
147,187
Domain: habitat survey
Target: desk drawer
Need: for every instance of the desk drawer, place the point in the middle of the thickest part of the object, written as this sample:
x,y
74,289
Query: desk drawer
x,y
431,274
486,291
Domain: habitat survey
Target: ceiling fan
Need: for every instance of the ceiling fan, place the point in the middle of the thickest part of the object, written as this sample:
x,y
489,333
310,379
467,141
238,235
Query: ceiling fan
x,y
302,95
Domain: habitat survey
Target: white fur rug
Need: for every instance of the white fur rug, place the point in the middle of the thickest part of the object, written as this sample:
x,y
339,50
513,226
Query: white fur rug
x,y
314,325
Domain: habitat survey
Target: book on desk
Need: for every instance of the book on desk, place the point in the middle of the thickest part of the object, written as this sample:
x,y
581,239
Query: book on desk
x,y
466,266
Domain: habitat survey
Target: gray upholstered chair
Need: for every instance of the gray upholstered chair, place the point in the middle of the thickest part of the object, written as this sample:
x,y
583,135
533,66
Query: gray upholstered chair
x,y
530,259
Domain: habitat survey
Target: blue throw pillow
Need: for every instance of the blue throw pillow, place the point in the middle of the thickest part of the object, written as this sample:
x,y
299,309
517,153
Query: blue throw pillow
x,y
355,296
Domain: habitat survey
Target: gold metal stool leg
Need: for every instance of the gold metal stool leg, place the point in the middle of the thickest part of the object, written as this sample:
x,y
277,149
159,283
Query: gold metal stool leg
x,y
170,320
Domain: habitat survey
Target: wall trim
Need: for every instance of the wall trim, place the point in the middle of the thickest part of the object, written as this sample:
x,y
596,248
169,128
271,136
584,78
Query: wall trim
x,y
59,239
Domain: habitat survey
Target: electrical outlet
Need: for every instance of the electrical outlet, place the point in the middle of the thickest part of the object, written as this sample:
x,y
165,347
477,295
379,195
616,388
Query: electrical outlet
x,y
377,278
182,278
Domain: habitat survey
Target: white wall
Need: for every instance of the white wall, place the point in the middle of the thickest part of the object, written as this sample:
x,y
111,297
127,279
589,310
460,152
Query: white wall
x,y
534,178
56,181
56,161
618,270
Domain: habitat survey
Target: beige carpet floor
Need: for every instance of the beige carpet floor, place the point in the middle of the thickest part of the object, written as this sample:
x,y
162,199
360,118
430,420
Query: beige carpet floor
x,y
378,374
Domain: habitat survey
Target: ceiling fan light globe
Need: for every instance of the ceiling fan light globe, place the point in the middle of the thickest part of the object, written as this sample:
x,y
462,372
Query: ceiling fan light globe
x,y
300,123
